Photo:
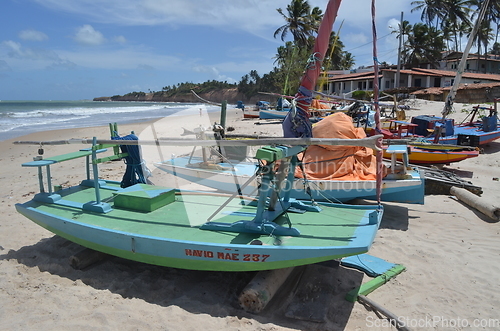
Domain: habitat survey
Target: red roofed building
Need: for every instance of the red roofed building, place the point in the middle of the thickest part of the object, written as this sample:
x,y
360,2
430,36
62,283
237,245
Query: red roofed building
x,y
425,83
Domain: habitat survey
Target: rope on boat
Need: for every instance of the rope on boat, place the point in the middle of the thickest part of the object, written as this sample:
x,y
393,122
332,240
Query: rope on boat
x,y
207,101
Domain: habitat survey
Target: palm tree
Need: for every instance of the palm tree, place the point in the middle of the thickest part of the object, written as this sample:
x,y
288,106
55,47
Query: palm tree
x,y
432,10
403,31
424,45
347,61
334,54
291,60
455,15
299,22
495,49
315,18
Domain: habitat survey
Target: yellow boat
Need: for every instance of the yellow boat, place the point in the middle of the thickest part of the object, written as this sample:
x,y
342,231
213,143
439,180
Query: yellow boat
x,y
424,153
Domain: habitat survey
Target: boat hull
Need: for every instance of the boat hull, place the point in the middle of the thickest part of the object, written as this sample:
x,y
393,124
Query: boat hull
x,y
410,189
251,114
469,136
436,155
171,236
272,114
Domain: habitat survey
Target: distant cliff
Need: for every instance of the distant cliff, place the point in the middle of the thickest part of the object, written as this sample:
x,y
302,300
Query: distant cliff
x,y
230,95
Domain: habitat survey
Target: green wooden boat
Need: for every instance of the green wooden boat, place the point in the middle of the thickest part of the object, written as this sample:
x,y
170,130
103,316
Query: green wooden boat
x,y
200,230
205,231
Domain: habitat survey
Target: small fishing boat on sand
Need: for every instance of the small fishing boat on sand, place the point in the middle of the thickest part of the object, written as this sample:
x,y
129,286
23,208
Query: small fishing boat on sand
x,y
250,114
435,154
199,230
421,151
471,132
325,173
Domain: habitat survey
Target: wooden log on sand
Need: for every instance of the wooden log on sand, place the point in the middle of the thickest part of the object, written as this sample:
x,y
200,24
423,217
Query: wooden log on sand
x,y
476,202
261,289
85,258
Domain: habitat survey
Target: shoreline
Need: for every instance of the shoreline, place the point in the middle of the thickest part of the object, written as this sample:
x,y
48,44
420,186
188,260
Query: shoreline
x,y
450,252
36,116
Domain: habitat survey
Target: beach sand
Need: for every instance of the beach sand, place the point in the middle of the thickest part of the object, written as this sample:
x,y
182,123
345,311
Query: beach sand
x,y
451,253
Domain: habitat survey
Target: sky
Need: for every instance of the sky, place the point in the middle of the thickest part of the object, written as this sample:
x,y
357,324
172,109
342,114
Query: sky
x,y
81,49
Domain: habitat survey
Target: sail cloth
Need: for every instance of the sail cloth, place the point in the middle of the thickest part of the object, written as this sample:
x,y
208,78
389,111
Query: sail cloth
x,y
134,172
296,123
338,162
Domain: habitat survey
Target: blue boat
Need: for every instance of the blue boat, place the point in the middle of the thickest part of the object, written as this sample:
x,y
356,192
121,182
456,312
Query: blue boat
x,y
270,114
472,133
406,184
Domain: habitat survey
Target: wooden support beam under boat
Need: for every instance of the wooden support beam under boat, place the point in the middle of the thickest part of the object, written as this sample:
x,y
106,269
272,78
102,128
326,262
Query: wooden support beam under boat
x,y
86,258
262,288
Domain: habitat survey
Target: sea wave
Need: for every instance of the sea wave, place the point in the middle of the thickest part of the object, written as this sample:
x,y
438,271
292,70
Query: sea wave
x,y
26,117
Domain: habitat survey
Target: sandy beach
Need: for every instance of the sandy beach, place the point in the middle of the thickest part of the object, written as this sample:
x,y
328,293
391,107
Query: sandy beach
x,y
451,253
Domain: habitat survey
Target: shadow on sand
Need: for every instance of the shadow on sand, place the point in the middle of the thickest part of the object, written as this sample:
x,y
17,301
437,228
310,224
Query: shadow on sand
x,y
205,292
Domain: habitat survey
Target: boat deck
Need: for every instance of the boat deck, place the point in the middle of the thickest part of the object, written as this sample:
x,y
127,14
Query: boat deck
x,y
181,219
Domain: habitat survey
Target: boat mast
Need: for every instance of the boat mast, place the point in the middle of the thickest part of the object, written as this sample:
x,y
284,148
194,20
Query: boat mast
x,y
376,102
296,123
448,106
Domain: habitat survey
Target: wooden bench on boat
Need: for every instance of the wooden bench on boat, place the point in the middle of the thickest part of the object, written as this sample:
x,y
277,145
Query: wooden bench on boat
x,y
50,196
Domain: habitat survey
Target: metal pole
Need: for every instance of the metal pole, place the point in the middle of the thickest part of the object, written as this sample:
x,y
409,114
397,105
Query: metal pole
x,y
398,71
223,111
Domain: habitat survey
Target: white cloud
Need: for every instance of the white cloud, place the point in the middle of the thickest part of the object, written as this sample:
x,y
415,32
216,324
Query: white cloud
x,y
257,17
32,35
357,38
16,50
87,35
393,24
124,58
120,39
25,58
213,73
62,65
252,16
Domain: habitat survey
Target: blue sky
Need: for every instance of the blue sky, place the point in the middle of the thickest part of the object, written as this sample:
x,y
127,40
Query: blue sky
x,y
81,49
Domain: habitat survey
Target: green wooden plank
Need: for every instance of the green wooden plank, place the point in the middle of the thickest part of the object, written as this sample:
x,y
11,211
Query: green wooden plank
x,y
69,156
73,155
375,283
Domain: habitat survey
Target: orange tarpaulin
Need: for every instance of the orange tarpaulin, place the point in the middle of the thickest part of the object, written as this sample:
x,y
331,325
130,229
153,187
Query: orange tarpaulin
x,y
315,104
338,162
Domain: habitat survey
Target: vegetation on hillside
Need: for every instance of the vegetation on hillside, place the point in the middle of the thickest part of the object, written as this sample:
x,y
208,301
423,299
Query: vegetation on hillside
x,y
184,88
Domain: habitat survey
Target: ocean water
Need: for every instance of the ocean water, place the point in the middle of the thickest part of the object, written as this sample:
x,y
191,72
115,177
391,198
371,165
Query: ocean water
x,y
18,118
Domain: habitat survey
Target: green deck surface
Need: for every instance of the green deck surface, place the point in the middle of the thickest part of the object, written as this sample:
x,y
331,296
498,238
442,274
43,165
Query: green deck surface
x,y
180,220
